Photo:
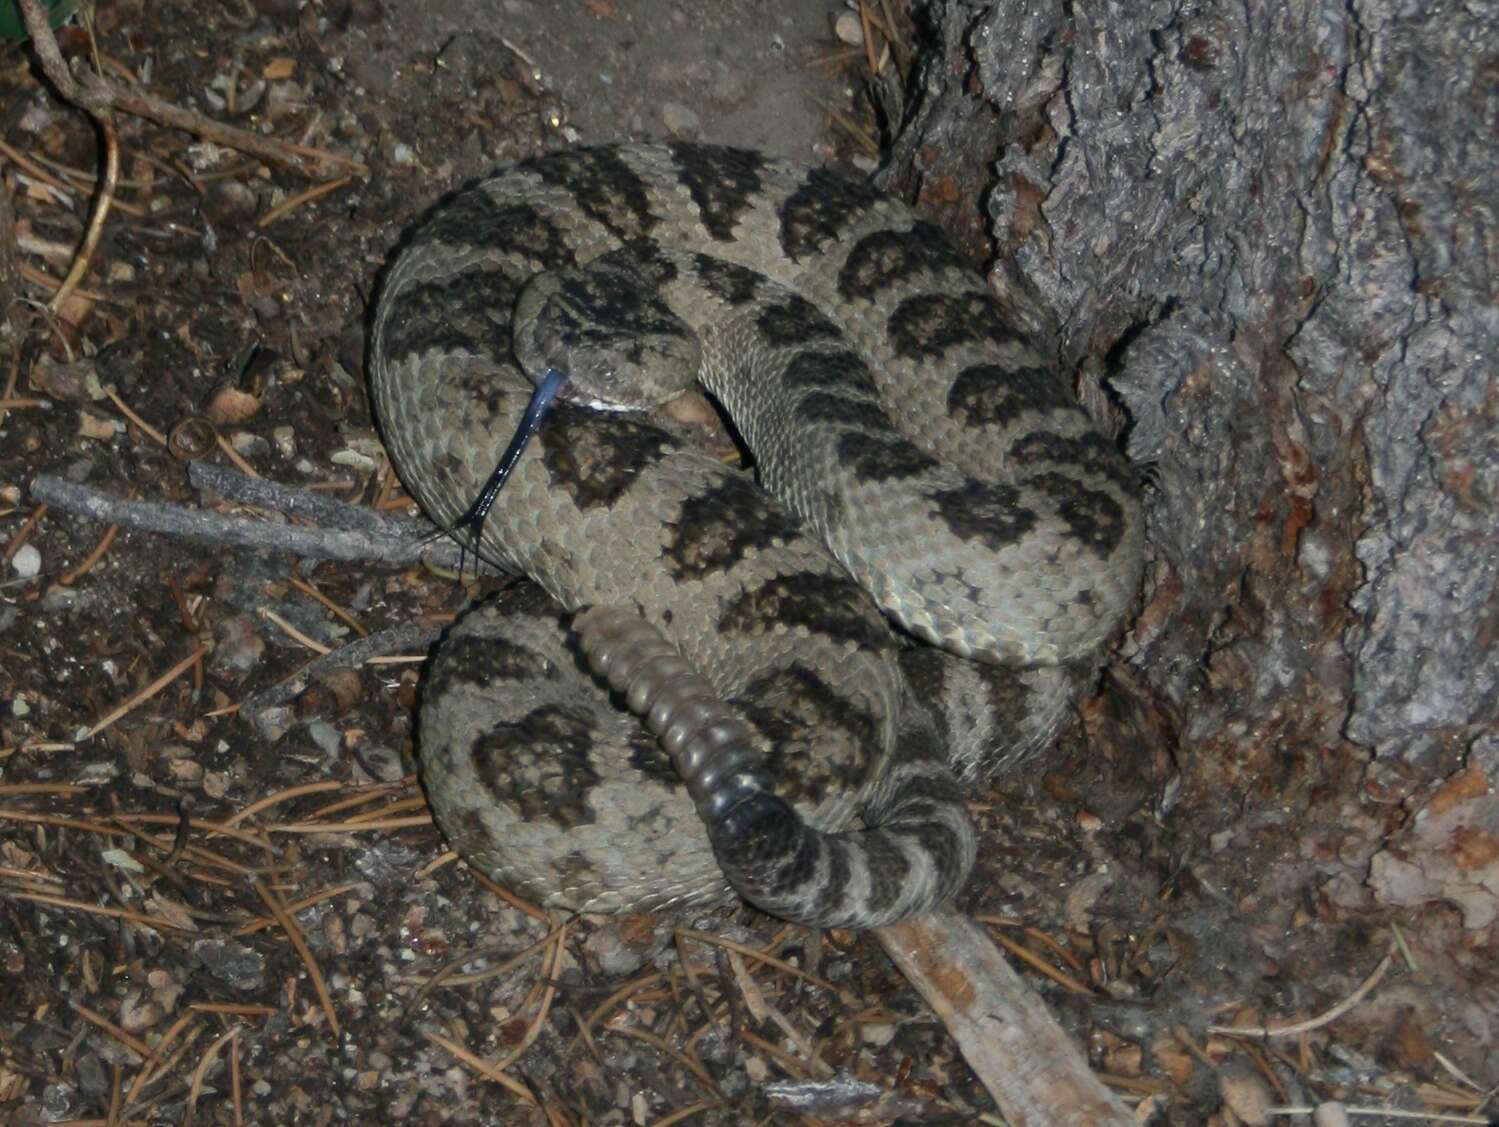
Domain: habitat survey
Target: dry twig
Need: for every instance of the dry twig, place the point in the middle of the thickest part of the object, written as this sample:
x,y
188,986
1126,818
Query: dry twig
x,y
298,941
1292,1029
1005,1032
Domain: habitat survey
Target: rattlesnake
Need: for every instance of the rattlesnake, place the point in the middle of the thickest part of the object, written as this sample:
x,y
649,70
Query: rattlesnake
x,y
904,427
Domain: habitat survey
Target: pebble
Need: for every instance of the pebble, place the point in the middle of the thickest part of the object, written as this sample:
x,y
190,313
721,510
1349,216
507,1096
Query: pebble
x,y
27,561
877,1033
1330,1113
1246,1095
848,29
679,120
326,736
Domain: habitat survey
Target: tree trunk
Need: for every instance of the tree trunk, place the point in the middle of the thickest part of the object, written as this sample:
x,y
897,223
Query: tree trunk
x,y
1270,228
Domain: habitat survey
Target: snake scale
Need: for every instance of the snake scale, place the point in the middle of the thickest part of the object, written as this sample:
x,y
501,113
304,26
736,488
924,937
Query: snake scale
x,y
735,713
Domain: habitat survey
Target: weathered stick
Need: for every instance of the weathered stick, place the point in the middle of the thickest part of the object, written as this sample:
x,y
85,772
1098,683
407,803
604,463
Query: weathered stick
x,y
352,533
1008,1036
412,637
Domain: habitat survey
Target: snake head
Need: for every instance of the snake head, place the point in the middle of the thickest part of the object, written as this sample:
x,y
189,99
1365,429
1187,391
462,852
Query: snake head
x,y
603,325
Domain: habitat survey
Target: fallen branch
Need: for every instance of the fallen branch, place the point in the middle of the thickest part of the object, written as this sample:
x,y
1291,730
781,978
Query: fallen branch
x,y
350,533
1008,1036
411,637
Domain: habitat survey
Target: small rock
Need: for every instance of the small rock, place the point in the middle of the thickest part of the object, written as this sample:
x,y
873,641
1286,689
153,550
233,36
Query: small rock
x,y
620,945
346,687
1246,1095
382,763
848,29
60,598
239,647
272,723
205,156
283,99
233,964
138,1013
122,859
1330,1113
679,120
877,1033
247,444
232,405
27,561
231,201
94,426
326,736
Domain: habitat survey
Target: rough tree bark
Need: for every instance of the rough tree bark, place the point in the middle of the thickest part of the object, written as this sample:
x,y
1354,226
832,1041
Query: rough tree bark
x,y
1270,226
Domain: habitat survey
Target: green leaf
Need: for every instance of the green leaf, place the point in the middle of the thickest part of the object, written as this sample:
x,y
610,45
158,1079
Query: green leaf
x,y
11,26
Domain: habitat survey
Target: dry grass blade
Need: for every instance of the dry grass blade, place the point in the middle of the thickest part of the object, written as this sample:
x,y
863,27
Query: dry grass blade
x,y
233,455
141,918
660,1045
629,988
145,428
349,827
489,1072
298,941
72,577
759,956
235,1085
14,790
1292,1029
154,1058
506,895
280,796
239,1009
550,973
116,1093
102,205
789,1063
686,1113
148,692
317,191
295,906
371,792
448,975
134,1044
1036,962
292,632
12,373
23,533
333,608
209,1056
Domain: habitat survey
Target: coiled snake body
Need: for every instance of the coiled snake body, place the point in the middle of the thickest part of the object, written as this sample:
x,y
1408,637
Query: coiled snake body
x,y
919,460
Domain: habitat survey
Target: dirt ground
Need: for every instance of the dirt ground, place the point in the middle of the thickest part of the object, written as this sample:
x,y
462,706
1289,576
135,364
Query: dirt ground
x,y
170,877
